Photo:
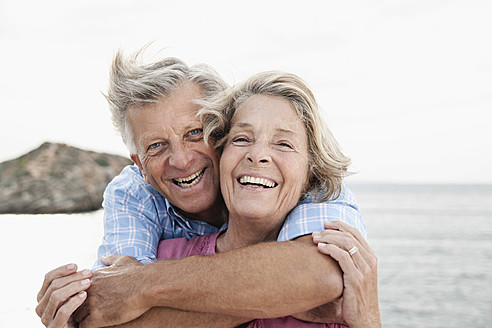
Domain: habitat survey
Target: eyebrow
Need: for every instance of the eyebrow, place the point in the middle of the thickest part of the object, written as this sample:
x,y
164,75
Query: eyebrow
x,y
285,131
147,136
248,125
241,125
149,139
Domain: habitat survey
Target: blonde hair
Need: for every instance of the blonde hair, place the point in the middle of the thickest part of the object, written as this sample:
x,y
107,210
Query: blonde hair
x,y
327,164
133,84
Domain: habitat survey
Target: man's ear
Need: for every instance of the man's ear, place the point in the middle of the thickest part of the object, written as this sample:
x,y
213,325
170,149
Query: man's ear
x,y
307,185
136,160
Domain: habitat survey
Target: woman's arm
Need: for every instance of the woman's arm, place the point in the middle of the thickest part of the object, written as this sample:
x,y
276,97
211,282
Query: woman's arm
x,y
326,313
360,305
62,292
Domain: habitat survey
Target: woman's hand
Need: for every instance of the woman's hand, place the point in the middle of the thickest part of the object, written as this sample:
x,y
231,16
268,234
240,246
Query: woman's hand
x,y
360,306
63,291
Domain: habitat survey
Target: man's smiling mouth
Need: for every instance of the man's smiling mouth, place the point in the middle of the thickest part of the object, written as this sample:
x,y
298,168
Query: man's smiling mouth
x,y
256,182
189,181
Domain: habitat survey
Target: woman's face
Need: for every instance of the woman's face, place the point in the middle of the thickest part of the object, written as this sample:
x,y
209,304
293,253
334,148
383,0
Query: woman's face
x,y
264,165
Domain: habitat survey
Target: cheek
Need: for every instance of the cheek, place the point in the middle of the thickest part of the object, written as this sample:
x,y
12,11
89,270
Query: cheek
x,y
213,157
297,171
154,166
223,168
229,160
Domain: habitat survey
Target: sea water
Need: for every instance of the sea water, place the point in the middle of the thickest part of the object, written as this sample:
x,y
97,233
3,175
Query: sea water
x,y
434,245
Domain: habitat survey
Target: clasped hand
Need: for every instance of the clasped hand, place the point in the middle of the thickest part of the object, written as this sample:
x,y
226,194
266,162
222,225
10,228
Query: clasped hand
x,y
65,299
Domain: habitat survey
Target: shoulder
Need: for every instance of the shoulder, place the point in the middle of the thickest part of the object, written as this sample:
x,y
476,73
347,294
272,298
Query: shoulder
x,y
130,185
312,206
310,215
346,198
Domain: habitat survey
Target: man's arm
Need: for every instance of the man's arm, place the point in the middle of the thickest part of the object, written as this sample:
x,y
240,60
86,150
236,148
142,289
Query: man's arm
x,y
172,318
261,281
267,268
310,215
131,223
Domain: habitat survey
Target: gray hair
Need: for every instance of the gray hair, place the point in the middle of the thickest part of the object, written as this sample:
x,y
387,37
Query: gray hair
x,y
327,164
133,84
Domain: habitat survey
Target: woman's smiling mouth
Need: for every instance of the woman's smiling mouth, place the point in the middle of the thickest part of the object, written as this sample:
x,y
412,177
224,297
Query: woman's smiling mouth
x,y
189,181
256,182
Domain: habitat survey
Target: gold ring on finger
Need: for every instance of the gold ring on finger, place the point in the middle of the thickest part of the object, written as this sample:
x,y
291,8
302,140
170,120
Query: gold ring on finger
x,y
353,250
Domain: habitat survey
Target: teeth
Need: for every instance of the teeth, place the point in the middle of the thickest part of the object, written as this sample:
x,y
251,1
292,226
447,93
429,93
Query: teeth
x,y
189,181
188,178
258,181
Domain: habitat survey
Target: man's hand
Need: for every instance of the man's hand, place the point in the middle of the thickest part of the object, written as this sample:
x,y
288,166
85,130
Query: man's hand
x,y
63,291
112,289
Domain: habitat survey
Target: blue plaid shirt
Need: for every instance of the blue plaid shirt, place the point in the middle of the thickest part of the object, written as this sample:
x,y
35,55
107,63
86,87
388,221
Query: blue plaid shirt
x,y
137,217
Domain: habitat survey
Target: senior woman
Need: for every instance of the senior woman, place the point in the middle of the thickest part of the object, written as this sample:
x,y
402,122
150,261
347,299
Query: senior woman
x,y
275,149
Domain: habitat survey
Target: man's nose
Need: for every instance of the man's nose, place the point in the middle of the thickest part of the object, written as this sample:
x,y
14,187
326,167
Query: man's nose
x,y
180,157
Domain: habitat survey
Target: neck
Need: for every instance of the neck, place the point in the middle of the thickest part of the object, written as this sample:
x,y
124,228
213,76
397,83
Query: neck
x,y
242,232
215,215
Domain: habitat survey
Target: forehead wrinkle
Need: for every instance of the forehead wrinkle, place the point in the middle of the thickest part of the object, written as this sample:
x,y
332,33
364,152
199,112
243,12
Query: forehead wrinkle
x,y
285,131
146,135
241,125
277,130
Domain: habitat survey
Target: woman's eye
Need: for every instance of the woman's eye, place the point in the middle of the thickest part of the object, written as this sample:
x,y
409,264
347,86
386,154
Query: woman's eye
x,y
285,145
239,140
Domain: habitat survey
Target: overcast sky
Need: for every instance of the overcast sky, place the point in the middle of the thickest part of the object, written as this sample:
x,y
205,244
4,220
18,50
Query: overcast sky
x,y
406,85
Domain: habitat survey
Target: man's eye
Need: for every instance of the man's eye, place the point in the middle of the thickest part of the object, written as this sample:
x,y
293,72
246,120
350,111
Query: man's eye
x,y
195,135
195,132
155,145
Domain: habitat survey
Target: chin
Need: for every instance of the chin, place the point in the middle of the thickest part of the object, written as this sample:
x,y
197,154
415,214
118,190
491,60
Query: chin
x,y
197,206
253,214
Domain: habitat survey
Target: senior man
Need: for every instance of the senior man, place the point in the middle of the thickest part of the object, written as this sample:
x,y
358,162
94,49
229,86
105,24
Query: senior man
x,y
173,191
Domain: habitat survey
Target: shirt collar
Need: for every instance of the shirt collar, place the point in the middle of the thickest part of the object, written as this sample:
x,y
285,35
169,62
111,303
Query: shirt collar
x,y
187,222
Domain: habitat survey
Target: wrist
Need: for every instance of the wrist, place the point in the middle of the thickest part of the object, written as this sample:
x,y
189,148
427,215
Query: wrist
x,y
372,323
148,292
160,284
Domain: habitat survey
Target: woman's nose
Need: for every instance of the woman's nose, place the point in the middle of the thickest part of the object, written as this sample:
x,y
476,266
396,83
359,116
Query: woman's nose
x,y
258,154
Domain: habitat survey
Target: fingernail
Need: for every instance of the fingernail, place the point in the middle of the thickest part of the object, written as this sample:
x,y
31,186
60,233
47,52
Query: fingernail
x,y
316,234
321,245
83,294
86,272
85,282
71,266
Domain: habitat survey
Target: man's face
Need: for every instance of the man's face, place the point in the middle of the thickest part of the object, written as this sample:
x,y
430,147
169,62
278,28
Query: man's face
x,y
171,152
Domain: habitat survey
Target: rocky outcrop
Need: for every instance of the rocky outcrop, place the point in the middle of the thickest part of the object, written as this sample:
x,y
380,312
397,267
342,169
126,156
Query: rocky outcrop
x,y
57,178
